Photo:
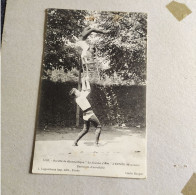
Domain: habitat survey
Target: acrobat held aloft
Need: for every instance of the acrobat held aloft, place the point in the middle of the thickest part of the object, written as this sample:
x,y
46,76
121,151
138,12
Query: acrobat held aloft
x,y
88,114
84,46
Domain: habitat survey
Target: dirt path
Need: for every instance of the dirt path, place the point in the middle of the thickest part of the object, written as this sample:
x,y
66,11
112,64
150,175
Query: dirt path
x,y
121,153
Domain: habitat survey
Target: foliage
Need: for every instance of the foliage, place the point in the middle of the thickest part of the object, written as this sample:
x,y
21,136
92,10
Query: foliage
x,y
58,108
62,25
123,49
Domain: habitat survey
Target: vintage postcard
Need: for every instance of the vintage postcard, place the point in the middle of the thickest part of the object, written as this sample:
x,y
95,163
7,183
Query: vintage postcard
x,y
92,105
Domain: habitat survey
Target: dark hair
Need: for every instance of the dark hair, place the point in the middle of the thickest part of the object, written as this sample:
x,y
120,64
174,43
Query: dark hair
x,y
72,92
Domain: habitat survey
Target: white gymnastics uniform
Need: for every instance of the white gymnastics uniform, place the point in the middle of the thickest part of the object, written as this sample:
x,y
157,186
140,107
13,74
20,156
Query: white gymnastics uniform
x,y
84,46
84,104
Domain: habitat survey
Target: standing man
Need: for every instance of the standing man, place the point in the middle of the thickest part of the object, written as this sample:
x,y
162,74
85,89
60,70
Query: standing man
x,y
88,114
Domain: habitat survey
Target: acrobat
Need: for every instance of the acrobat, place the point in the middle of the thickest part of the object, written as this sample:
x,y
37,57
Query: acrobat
x,y
88,114
81,42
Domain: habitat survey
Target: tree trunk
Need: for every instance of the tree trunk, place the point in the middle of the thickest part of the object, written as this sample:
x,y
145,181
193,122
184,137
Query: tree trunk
x,y
78,108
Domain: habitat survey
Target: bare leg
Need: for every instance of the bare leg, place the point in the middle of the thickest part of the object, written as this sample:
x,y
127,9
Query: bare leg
x,y
83,69
97,135
87,31
86,70
97,124
82,133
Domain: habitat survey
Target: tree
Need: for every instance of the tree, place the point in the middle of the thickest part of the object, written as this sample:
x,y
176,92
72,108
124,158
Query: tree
x,y
123,48
62,26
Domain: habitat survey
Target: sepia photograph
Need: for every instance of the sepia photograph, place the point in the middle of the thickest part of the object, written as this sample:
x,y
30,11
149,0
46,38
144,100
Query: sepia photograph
x,y
91,115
